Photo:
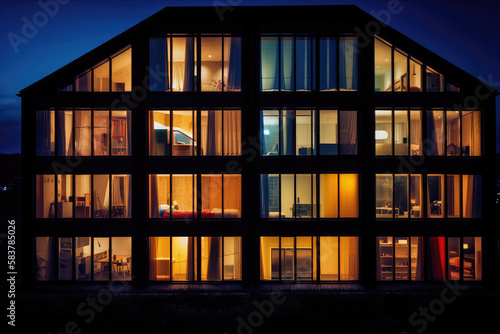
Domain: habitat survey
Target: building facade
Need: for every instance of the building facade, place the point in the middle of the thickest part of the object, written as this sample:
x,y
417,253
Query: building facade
x,y
259,144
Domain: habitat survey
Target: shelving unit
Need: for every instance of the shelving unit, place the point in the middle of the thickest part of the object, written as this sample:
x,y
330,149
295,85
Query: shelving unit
x,y
119,140
398,260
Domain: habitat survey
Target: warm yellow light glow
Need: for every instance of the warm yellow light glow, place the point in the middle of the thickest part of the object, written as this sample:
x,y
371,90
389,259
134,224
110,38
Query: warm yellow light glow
x,y
381,134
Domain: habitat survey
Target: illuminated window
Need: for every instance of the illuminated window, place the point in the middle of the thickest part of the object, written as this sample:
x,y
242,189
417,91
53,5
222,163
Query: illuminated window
x,y
383,71
45,132
220,258
172,258
398,196
220,132
399,258
398,131
45,196
45,258
435,196
183,137
220,63
65,256
220,196
112,74
471,133
339,255
435,80
288,258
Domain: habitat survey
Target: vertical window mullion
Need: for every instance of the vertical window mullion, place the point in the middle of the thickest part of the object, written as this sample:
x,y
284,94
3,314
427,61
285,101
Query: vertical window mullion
x,y
171,257
170,63
295,196
110,190
92,258
170,196
338,257
393,134
279,65
222,194
223,61
279,259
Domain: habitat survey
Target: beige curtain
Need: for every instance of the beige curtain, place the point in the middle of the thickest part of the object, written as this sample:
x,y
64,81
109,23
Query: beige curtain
x,y
232,132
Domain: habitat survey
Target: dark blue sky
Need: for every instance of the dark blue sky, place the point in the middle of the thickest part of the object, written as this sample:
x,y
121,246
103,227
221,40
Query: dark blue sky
x,y
466,33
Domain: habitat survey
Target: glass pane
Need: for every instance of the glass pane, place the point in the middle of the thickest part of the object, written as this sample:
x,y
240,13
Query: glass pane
x,y
435,132
453,196
401,196
232,132
270,196
304,207
401,132
417,258
65,196
45,132
159,57
454,259
452,132
416,205
83,260
83,132
211,132
287,195
101,78
303,66
328,192
304,132
83,82
471,133
383,195
122,258
45,258
435,81
45,196
83,199
159,133
304,254
287,64
101,259
385,258
121,132
211,196
64,132
183,195
349,196
348,63
329,258
328,132
349,258
435,195
159,259
473,261
211,258
122,196
183,258
269,258
121,75
211,64
232,196
232,64
232,258
383,132
401,259
101,132
416,132
415,76
101,196
383,73
287,122
270,135
348,132
472,196
183,137
328,63
400,72
159,200
269,71
182,64
287,258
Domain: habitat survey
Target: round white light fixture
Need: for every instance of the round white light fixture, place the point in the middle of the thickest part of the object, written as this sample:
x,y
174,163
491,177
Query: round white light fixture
x,y
381,134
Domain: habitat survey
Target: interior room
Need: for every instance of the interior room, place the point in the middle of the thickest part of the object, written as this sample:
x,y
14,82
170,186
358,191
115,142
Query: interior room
x,y
172,258
183,137
220,63
121,71
83,260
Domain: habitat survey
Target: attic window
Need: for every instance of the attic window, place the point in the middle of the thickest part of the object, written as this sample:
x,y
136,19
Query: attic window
x,y
113,73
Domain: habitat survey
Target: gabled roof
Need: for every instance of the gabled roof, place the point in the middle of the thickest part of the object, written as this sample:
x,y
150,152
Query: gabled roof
x,y
178,19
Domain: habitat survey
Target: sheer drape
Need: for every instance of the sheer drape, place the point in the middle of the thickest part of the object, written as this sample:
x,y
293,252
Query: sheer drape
x,y
153,254
152,134
287,64
348,63
237,258
472,196
234,64
160,82
437,265
435,133
214,256
287,145
43,144
153,197
471,134
232,132
269,70
189,65
328,63
212,133
348,137
303,47
64,133
190,260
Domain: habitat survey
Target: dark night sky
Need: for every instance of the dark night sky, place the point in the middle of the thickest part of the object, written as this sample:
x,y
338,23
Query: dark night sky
x,y
466,33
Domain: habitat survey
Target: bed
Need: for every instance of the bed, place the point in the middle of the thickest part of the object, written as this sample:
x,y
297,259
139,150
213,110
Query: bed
x,y
214,213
